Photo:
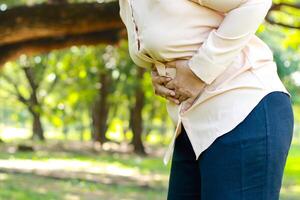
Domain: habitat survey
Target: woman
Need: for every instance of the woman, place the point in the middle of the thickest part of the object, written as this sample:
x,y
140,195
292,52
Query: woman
x,y
233,116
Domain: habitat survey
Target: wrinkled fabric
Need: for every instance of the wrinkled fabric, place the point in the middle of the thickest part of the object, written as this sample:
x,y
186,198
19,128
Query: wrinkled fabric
x,y
247,163
218,38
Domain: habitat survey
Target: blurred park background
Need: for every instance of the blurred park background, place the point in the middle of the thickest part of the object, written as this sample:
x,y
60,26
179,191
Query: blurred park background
x,y
78,120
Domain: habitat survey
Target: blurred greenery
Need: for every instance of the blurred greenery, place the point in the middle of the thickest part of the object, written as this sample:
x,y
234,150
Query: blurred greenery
x,y
65,109
21,186
68,84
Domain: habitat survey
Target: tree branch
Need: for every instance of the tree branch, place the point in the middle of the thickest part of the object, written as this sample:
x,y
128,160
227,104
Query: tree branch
x,y
17,92
44,27
45,45
55,20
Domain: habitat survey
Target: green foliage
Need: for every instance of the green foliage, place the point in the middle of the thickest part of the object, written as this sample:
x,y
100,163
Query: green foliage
x,y
22,186
69,84
76,72
285,46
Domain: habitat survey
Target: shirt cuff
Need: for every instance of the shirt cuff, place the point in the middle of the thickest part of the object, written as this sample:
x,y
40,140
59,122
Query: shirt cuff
x,y
203,67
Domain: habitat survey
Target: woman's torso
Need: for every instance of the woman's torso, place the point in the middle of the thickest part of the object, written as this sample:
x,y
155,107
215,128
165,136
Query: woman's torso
x,y
169,30
174,29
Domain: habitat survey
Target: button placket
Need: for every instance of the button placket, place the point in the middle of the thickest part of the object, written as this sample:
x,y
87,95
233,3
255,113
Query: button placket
x,y
159,65
136,33
162,71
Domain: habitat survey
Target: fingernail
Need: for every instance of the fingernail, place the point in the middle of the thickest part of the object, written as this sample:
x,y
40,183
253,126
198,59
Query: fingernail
x,y
168,79
173,93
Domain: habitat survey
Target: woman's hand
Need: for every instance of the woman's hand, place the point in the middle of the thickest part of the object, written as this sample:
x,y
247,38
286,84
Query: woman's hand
x,y
186,84
160,89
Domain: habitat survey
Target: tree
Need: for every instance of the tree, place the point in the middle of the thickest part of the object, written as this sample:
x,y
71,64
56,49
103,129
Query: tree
x,y
136,119
102,104
32,75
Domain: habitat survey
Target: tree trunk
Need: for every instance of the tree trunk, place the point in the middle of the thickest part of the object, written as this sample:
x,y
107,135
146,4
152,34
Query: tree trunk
x,y
37,128
151,117
33,104
101,110
136,121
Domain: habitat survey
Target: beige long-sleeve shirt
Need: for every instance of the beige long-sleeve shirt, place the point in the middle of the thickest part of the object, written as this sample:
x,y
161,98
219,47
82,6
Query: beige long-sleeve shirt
x,y
218,38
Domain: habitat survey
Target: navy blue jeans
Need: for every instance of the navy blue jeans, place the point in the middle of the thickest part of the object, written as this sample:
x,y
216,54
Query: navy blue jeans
x,y
246,163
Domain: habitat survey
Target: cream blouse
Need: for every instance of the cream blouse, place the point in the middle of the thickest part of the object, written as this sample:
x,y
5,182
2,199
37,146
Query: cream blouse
x,y
218,37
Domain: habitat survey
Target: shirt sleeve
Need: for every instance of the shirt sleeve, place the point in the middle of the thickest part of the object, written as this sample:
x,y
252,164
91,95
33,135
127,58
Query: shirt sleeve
x,y
242,19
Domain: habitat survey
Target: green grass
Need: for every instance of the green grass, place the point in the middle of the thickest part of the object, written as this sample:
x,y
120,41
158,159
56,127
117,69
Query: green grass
x,y
291,179
25,187
28,186
145,165
33,187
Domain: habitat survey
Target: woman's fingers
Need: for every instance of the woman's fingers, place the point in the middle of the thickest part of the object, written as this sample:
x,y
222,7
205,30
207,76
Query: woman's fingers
x,y
163,91
181,94
170,94
161,79
166,93
171,85
160,88
177,95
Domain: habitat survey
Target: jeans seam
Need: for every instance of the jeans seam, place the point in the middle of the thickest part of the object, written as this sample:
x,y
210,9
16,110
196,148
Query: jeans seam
x,y
242,173
265,193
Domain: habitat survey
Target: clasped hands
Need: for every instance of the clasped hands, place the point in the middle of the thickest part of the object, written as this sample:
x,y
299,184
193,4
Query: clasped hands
x,y
184,88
